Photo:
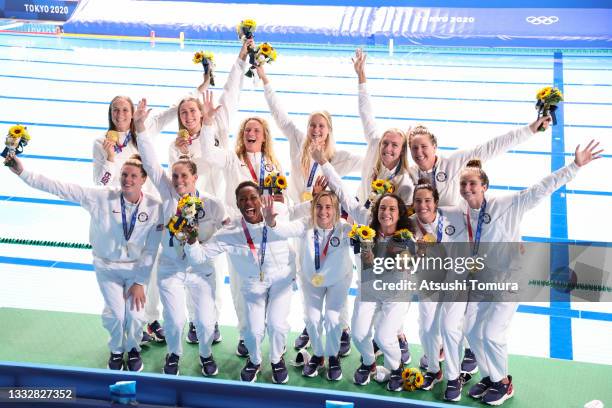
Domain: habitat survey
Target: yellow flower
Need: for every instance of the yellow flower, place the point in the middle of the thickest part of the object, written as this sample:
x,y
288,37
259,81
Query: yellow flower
x,y
273,55
378,184
173,227
418,380
209,56
248,23
268,181
366,233
403,234
389,187
353,231
281,182
19,131
198,57
406,373
265,49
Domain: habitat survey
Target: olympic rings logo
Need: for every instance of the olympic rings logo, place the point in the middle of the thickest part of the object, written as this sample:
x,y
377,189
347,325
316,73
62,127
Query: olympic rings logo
x,y
542,20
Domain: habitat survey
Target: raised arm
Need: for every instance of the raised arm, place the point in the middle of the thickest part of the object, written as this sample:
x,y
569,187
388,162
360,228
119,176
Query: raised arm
x,y
347,201
230,97
365,108
496,146
85,196
150,162
290,130
212,153
532,196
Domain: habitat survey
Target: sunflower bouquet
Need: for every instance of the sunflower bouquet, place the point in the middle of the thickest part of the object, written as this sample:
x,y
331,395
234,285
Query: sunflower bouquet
x,y
188,211
379,187
413,379
16,138
275,183
359,235
403,234
264,54
245,31
207,59
547,100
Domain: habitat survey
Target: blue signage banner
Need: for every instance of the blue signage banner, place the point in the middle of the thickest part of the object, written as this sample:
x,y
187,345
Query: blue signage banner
x,y
51,10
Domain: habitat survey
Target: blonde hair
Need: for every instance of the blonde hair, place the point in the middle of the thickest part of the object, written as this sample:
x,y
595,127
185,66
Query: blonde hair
x,y
178,110
420,130
111,124
330,149
335,203
475,166
403,155
136,161
267,148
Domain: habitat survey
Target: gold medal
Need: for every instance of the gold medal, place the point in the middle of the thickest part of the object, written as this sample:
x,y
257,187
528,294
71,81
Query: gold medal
x,y
184,133
429,238
113,136
306,196
317,280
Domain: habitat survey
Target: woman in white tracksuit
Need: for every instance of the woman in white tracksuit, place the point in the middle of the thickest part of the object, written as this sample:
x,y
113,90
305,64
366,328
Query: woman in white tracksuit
x,y
175,276
253,159
211,179
264,262
108,158
497,219
386,158
124,232
432,224
304,171
387,153
388,214
325,274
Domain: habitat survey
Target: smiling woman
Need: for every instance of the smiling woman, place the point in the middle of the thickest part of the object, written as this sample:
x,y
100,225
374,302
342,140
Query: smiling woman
x,y
122,262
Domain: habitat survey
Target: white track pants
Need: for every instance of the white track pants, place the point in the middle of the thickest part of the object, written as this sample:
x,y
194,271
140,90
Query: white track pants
x,y
385,326
174,287
266,306
335,299
486,329
122,323
429,333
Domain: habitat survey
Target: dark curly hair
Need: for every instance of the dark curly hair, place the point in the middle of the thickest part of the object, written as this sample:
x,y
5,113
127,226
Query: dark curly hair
x,y
402,221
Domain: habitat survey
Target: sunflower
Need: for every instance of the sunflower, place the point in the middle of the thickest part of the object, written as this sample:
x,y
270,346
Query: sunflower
x,y
174,226
366,233
268,181
198,57
209,56
281,182
265,49
406,373
403,234
418,380
19,131
542,92
273,55
389,187
248,23
353,231
378,184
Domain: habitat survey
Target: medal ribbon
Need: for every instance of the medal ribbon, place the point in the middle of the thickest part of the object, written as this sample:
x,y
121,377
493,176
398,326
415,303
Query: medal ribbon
x,y
313,171
476,239
321,258
261,170
264,240
127,232
119,147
